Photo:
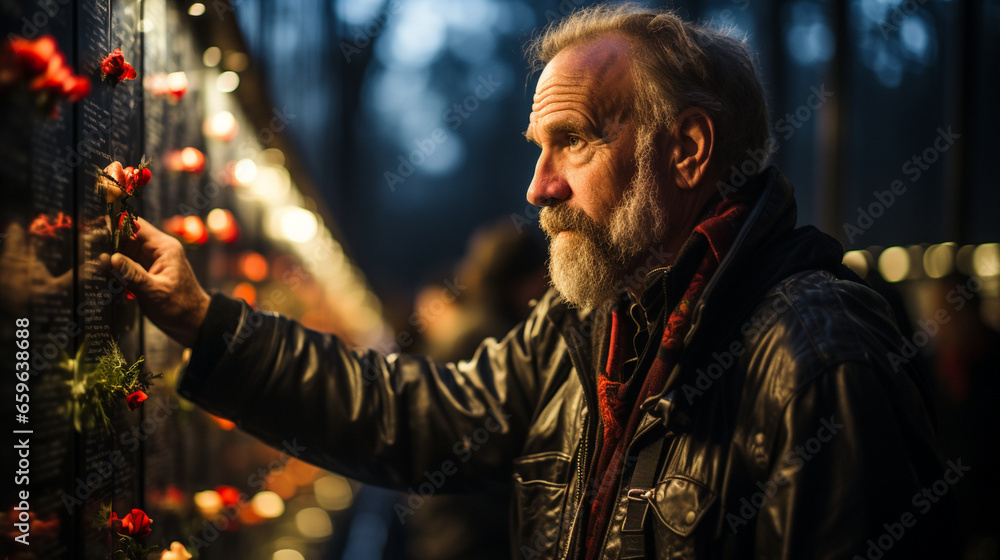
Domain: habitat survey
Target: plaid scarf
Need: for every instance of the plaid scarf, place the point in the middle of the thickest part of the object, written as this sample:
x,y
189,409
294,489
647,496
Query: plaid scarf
x,y
618,398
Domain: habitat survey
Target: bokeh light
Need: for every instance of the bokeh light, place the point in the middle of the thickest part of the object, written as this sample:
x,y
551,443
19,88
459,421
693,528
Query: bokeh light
x,y
267,504
314,523
227,82
894,264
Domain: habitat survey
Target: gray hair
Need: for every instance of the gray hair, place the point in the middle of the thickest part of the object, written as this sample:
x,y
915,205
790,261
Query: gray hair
x,y
675,66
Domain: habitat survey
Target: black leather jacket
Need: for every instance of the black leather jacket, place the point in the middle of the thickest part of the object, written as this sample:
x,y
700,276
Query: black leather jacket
x,y
789,430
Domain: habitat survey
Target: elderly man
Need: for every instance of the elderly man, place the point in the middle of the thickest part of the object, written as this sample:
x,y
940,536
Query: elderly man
x,y
704,380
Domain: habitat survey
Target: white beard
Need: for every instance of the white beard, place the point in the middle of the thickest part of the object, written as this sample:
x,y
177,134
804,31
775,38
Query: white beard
x,y
588,263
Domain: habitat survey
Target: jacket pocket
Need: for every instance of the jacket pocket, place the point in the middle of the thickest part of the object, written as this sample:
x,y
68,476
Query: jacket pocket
x,y
679,503
540,489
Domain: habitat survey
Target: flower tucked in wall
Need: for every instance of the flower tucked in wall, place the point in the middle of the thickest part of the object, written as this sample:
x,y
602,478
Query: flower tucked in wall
x,y
135,399
43,227
124,534
121,185
97,389
41,66
114,69
134,524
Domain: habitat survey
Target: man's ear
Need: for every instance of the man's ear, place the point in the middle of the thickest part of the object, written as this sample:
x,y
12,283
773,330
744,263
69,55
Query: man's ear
x,y
693,140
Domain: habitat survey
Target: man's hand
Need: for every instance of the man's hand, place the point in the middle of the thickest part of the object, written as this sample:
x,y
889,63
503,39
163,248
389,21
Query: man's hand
x,y
161,278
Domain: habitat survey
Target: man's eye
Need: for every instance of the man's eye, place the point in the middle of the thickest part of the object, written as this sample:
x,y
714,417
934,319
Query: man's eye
x,y
575,142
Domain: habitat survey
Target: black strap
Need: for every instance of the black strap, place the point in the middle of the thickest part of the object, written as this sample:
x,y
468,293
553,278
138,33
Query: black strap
x,y
639,486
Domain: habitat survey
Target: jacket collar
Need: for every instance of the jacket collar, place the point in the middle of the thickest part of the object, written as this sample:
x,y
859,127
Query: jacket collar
x,y
767,249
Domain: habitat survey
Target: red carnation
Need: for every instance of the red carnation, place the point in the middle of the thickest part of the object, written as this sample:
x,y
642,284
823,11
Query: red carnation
x,y
76,88
114,68
42,227
136,179
135,524
114,523
62,221
136,399
33,56
42,66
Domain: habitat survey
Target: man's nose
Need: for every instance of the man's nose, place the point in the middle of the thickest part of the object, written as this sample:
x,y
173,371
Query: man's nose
x,y
548,186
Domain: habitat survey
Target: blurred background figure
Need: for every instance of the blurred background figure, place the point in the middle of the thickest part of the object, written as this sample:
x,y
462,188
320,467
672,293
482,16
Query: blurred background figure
x,y
966,360
491,289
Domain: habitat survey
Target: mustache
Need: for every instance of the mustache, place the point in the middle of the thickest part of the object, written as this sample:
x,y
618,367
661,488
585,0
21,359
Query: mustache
x,y
554,219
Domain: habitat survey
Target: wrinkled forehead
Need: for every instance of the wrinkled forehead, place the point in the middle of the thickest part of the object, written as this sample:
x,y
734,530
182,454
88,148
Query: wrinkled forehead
x,y
595,74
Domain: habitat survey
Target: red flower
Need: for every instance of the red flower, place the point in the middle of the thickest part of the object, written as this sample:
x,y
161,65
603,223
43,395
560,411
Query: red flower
x,y
33,56
42,227
136,179
44,67
135,524
136,399
114,523
62,221
127,219
114,67
76,88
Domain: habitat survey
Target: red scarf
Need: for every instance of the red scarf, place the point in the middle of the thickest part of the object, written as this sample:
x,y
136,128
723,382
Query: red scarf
x,y
619,407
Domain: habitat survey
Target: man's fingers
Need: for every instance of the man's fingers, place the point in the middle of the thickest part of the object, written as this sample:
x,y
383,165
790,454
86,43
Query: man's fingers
x,y
136,276
150,233
149,240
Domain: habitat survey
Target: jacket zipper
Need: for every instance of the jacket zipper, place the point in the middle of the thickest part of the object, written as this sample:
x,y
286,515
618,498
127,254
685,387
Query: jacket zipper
x,y
621,481
583,466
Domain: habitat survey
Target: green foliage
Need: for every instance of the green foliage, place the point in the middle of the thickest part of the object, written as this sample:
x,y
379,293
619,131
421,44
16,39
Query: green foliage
x,y
98,388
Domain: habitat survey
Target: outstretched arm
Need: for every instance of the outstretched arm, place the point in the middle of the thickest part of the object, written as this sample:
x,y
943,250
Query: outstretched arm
x,y
160,276
397,420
